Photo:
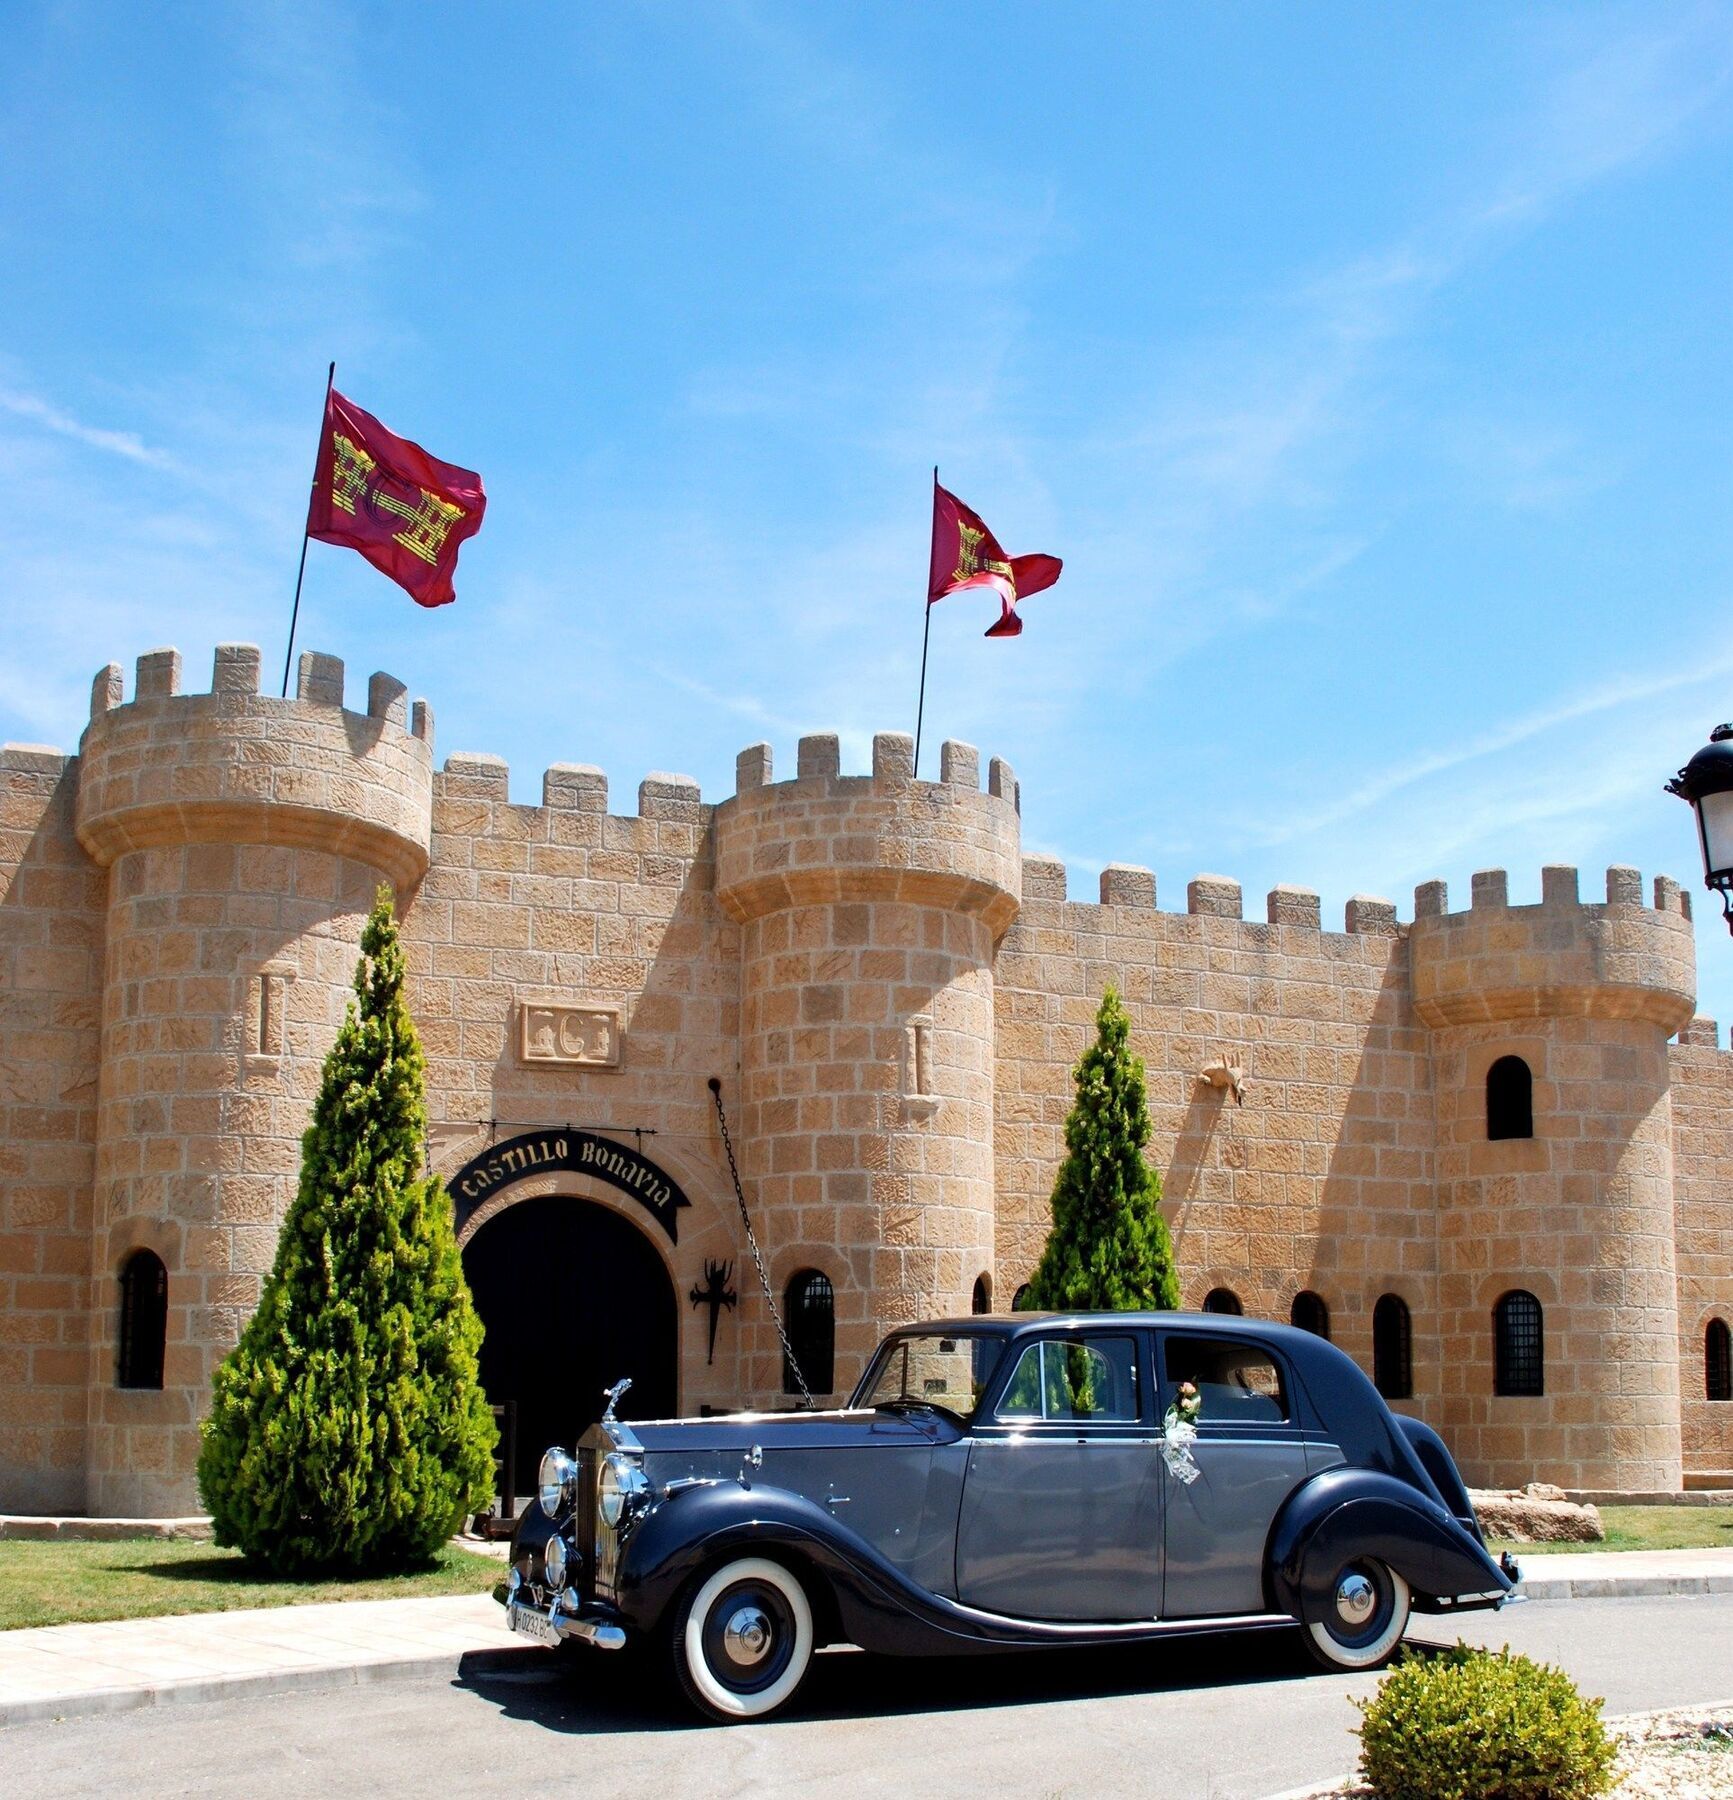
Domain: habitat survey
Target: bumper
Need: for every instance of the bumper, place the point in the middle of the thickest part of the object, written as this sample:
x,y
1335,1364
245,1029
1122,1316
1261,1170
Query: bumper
x,y
557,1621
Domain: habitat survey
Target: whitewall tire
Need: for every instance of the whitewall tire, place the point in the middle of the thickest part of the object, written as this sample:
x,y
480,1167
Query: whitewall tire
x,y
743,1640
1367,1613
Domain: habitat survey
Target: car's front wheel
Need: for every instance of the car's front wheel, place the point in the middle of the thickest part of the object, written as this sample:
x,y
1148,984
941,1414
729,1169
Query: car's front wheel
x,y
743,1639
1366,1613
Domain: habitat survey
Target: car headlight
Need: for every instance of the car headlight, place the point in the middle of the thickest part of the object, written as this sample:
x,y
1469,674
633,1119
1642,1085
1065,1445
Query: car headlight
x,y
622,1487
556,1482
554,1561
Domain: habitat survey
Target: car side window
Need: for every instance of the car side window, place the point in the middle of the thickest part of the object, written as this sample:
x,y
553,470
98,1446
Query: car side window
x,y
1237,1383
1064,1379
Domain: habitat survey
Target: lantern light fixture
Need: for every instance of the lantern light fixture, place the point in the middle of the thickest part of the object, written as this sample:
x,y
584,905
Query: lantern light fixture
x,y
1707,782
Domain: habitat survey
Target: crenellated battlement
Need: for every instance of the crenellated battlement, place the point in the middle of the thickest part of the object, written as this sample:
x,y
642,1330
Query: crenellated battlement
x,y
577,788
826,837
1133,887
1564,958
234,766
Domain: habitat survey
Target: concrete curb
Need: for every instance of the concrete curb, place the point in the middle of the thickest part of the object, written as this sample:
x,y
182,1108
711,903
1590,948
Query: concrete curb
x,y
38,1528
101,1701
1612,1587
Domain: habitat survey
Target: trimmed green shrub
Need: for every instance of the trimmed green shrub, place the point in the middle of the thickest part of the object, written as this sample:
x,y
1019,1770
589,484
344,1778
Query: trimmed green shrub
x,y
1109,1247
1482,1725
349,1432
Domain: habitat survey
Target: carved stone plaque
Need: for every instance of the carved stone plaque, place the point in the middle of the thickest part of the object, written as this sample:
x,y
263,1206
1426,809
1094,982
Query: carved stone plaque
x,y
587,1035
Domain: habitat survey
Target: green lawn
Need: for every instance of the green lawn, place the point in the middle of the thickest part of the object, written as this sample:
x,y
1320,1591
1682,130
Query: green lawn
x,y
1648,1528
57,1583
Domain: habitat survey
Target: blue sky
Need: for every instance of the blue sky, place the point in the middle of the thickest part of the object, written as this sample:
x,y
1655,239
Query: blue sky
x,y
1369,367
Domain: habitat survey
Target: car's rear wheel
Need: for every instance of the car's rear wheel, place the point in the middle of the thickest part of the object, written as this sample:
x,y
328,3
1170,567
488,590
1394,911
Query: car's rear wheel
x,y
743,1639
1366,1613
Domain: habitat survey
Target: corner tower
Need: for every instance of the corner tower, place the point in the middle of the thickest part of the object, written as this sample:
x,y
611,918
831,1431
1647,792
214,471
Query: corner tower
x,y
870,908
1570,1201
243,837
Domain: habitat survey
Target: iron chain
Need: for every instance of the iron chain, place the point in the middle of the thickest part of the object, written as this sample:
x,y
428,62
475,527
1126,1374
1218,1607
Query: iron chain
x,y
752,1245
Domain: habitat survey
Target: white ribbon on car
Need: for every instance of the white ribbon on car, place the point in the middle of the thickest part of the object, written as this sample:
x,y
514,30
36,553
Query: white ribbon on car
x,y
1178,1436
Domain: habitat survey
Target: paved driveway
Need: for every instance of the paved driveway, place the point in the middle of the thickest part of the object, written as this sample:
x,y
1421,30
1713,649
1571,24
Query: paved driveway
x,y
1243,1718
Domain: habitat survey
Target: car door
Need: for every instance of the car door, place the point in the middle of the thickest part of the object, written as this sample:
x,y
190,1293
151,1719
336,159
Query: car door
x,y
1061,1512
1249,1455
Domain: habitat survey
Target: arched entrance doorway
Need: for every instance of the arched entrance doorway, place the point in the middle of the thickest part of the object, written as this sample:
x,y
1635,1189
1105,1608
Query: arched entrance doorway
x,y
572,1296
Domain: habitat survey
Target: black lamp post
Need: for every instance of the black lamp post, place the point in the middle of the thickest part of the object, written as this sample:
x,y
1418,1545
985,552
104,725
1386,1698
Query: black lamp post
x,y
1707,782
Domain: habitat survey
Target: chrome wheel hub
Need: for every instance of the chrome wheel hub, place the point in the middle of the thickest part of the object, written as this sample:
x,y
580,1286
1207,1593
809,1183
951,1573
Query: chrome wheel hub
x,y
1355,1599
746,1636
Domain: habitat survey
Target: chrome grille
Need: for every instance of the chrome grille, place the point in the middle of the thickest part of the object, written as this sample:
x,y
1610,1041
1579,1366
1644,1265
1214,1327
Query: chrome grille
x,y
584,1519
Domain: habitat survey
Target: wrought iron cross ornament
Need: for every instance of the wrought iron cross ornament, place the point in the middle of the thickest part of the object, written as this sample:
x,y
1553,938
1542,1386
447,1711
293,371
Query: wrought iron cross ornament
x,y
715,1294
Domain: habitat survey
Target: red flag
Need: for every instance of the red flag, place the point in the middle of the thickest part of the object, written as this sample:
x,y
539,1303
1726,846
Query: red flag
x,y
405,511
967,555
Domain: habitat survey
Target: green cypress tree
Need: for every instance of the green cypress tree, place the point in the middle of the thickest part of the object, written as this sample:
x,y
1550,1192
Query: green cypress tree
x,y
349,1430
1109,1248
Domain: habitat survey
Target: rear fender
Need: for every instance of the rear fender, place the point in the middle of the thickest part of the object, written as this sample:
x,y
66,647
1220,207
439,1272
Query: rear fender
x,y
1346,1513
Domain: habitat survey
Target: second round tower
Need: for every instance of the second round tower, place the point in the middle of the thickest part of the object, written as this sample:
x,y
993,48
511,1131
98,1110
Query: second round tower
x,y
871,908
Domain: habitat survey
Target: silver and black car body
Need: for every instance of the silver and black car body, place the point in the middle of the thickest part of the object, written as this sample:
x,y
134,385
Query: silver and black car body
x,y
1005,1483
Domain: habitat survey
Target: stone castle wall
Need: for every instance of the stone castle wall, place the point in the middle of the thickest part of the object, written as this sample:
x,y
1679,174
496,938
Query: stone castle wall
x,y
892,998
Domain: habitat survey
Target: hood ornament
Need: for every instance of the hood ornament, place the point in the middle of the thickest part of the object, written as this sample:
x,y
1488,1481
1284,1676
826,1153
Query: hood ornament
x,y
613,1397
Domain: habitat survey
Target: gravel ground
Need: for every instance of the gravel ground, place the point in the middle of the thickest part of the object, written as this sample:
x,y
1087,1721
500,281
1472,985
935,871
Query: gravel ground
x,y
1686,1754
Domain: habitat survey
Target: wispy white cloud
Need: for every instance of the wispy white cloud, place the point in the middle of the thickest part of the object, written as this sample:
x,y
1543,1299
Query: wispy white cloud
x,y
1605,697
127,444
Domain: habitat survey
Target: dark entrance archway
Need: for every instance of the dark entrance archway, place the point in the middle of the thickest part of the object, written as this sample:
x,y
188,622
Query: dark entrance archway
x,y
572,1296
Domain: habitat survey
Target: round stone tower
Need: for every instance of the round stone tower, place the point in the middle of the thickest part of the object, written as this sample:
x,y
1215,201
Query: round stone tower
x,y
243,838
1572,1203
870,909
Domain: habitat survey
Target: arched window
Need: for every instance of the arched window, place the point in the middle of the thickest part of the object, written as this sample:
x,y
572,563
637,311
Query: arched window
x,y
981,1301
1509,1099
1310,1313
1222,1300
143,1320
1020,1299
811,1313
1718,1361
1392,1348
1518,1357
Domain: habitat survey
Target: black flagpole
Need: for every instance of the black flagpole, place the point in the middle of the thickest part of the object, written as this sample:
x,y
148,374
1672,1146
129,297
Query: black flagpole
x,y
289,654
926,632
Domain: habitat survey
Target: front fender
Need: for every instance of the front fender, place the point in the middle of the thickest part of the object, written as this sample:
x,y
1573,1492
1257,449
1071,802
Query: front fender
x,y
867,1600
694,1527
1345,1513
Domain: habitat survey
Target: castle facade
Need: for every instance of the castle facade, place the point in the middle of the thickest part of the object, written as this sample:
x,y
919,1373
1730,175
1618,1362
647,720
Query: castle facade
x,y
1488,1151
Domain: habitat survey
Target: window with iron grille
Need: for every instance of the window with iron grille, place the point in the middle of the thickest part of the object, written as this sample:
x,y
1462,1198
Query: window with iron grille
x,y
1222,1300
1310,1313
981,1301
1509,1099
810,1308
1718,1361
1518,1358
143,1321
1392,1348
1020,1297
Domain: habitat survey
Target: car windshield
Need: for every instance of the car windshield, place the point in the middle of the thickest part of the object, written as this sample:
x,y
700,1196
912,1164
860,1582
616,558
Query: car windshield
x,y
948,1370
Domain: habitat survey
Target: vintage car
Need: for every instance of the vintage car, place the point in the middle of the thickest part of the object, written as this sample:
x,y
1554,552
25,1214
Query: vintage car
x,y
1000,1483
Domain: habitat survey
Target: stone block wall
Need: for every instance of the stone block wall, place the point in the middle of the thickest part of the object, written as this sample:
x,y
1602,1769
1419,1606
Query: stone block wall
x,y
1321,1179
1701,1083
51,946
568,904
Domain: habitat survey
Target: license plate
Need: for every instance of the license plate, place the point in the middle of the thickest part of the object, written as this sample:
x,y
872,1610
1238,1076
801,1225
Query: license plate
x,y
531,1624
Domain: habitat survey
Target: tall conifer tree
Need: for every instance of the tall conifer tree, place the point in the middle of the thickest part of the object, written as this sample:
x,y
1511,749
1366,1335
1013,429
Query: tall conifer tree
x,y
349,1430
1109,1248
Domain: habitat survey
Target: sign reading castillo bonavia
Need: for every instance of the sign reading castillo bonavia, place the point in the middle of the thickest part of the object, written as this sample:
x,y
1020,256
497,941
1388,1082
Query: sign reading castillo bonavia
x,y
583,1153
